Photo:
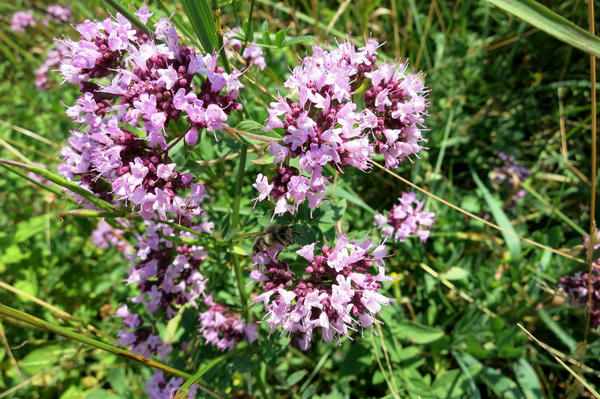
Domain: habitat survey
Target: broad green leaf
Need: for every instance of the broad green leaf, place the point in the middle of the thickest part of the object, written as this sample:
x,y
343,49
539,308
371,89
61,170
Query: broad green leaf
x,y
101,394
455,273
417,333
513,243
527,378
295,377
200,16
43,358
553,24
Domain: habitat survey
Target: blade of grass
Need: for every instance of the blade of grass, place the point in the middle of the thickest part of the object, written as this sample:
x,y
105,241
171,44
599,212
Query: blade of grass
x,y
553,24
183,392
511,241
100,203
33,321
573,373
199,14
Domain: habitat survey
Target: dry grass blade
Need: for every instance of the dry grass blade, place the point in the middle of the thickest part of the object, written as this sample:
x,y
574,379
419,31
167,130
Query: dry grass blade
x,y
443,201
593,233
573,373
383,371
387,357
336,16
9,352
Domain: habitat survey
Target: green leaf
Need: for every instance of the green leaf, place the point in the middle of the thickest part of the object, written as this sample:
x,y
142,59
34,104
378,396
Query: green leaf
x,y
513,243
455,273
200,16
279,38
295,377
101,394
43,358
548,21
527,378
415,332
254,133
561,334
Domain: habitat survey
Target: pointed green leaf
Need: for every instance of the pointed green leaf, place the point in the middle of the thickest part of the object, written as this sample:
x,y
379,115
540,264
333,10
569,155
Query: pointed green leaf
x,y
513,243
553,24
200,16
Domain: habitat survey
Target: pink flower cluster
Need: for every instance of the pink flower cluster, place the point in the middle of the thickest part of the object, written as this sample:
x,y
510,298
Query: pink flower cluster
x,y
577,289
140,338
224,328
54,13
21,20
327,126
105,236
161,388
58,13
53,59
150,85
253,55
167,275
406,218
337,294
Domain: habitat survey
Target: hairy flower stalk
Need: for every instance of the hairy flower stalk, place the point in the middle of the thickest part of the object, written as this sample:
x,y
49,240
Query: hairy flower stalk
x,y
329,126
338,293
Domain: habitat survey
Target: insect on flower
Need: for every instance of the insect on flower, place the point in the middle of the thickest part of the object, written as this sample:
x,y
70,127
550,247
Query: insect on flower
x,y
273,236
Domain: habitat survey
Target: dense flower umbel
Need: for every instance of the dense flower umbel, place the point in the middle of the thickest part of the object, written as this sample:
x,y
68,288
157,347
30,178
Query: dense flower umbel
x,y
510,174
327,127
150,85
224,328
21,20
337,294
406,218
576,288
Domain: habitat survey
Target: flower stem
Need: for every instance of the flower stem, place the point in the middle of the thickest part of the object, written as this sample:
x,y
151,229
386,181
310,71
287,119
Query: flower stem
x,y
217,11
248,27
235,218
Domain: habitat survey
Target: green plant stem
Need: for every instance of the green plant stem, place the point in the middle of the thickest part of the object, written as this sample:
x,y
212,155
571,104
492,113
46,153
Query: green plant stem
x,y
235,218
222,55
13,315
248,27
26,318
